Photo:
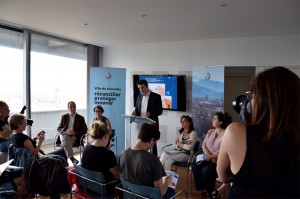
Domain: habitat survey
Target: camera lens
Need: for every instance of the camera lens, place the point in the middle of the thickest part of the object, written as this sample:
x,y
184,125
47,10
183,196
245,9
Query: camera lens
x,y
29,122
238,103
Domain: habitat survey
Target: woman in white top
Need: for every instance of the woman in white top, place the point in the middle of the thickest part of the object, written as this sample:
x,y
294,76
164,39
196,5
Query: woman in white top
x,y
185,141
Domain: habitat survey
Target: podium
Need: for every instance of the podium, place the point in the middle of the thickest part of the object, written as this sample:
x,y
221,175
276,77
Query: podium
x,y
130,119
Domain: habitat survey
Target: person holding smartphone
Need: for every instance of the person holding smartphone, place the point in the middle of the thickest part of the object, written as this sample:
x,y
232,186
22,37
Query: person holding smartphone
x,y
18,124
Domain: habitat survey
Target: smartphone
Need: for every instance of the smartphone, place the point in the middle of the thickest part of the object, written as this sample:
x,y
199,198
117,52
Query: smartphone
x,y
43,132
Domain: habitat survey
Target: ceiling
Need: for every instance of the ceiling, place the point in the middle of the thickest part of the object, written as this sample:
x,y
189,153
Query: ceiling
x,y
124,22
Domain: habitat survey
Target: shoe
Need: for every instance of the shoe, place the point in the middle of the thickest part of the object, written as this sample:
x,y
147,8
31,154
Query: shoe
x,y
215,195
73,160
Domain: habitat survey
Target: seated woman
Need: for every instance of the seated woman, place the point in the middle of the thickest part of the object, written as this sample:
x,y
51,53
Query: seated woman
x,y
205,173
96,157
18,123
98,111
185,140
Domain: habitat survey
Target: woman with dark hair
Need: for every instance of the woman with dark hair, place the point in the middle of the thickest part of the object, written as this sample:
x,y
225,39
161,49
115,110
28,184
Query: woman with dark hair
x,y
184,143
205,173
261,159
96,157
98,111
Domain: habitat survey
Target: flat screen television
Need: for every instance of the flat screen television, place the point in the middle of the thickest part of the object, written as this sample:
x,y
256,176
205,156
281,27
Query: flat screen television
x,y
172,89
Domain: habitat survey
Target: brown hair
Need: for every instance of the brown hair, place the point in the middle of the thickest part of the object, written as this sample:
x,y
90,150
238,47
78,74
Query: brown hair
x,y
190,120
276,96
148,131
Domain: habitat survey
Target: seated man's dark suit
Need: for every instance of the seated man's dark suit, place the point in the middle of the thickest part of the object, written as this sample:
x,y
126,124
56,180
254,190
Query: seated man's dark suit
x,y
79,127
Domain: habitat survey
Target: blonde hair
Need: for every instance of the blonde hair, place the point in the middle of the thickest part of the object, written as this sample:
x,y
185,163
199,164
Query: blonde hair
x,y
15,120
98,130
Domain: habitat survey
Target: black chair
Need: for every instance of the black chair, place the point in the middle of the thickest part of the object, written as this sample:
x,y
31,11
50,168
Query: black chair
x,y
92,184
187,164
78,144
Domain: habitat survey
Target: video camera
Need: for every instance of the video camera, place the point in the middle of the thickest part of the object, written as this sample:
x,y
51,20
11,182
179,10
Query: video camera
x,y
242,105
28,121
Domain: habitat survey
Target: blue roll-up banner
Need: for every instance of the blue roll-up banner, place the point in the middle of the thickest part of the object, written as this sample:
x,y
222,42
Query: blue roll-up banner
x,y
207,96
107,88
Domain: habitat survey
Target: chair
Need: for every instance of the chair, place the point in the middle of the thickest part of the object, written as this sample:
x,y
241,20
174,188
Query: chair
x,y
19,154
3,157
114,141
187,164
136,191
78,144
92,184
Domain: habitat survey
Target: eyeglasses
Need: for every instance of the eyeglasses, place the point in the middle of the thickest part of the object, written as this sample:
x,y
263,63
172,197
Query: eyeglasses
x,y
97,111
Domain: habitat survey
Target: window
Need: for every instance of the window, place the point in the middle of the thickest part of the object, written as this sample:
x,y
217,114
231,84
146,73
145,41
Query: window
x,y
58,75
11,67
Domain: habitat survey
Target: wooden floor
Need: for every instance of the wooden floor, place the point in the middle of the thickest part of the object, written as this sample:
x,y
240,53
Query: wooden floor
x,y
182,182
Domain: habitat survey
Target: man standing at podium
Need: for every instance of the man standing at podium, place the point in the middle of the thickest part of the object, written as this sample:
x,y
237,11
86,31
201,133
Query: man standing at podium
x,y
148,104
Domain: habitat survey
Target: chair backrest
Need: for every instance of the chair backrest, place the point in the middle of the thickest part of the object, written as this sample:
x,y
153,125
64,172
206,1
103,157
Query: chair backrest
x,y
148,192
3,157
91,183
197,147
19,154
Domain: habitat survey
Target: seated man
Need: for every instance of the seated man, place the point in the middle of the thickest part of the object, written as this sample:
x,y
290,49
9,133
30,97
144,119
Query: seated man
x,y
72,126
5,131
139,166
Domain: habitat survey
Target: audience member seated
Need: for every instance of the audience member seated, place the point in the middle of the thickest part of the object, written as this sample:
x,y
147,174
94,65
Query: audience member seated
x,y
139,166
72,126
5,131
205,174
98,111
96,157
18,123
262,159
184,141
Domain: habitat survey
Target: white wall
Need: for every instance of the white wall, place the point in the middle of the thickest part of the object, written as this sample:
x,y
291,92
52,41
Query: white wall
x,y
180,57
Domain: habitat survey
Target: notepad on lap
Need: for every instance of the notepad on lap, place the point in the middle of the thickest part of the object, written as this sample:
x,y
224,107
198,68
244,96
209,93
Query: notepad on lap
x,y
175,177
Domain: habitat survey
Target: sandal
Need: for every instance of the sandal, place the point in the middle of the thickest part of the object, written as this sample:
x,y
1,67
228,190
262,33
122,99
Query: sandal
x,y
215,195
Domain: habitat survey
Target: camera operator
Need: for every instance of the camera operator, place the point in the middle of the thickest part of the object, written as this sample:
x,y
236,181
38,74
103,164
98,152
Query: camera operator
x,y
261,158
5,131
